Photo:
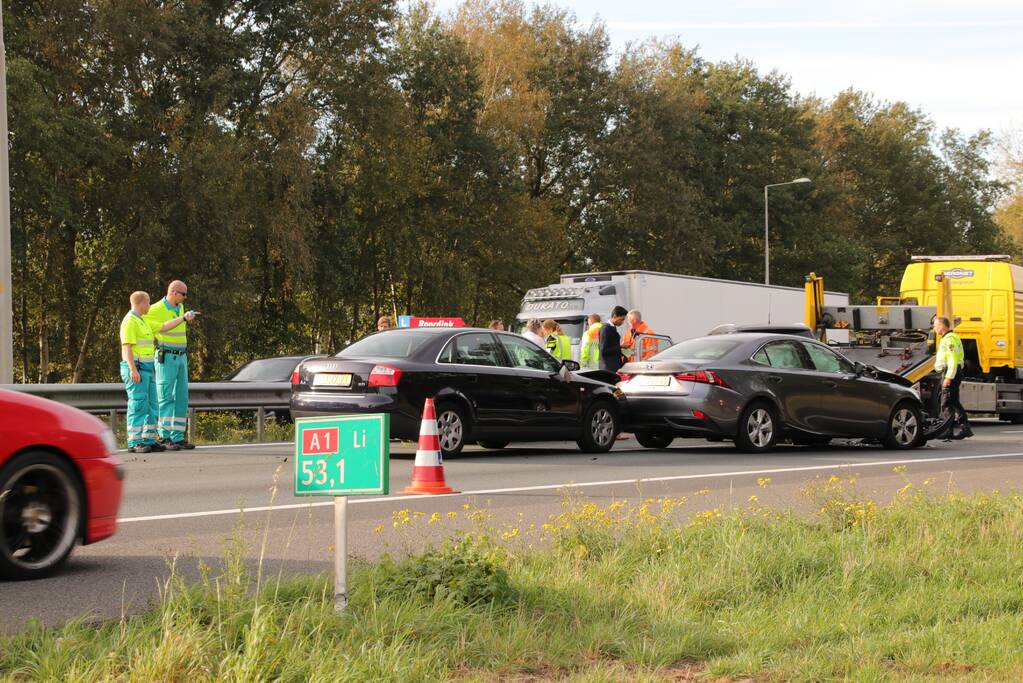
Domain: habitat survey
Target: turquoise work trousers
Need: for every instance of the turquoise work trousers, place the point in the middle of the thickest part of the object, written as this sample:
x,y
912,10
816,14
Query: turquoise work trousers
x,y
172,396
141,404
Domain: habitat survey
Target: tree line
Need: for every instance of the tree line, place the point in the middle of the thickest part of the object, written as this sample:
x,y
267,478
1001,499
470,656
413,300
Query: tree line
x,y
306,166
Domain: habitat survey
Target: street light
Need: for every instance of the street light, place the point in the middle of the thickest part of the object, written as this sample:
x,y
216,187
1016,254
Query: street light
x,y
767,245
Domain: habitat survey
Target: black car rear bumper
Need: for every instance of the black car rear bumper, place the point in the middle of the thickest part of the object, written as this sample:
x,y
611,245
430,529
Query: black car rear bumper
x,y
403,424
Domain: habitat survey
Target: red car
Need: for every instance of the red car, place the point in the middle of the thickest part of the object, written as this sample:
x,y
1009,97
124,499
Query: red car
x,y
60,483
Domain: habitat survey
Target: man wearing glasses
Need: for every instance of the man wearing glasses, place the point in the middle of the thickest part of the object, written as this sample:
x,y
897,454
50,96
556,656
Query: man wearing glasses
x,y
172,365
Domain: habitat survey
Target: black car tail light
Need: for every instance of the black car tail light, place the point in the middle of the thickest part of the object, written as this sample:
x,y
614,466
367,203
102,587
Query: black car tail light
x,y
384,376
295,379
700,376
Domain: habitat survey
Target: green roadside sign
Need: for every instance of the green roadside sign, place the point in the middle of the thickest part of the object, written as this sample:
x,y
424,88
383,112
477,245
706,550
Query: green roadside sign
x,y
342,455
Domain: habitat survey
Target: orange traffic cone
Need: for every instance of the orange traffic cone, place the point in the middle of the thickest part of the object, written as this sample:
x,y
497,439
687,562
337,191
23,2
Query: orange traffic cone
x,y
428,472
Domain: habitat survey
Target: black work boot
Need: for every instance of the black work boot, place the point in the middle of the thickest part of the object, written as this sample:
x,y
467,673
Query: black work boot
x,y
141,448
184,445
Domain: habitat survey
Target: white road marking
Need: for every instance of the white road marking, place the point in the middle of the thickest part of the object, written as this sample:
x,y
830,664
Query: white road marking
x,y
568,485
1012,431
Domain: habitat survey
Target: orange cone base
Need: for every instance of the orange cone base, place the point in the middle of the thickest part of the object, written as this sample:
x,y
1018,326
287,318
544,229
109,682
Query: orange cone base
x,y
428,480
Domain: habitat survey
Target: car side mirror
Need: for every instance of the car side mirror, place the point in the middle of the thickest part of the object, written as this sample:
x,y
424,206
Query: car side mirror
x,y
571,365
859,368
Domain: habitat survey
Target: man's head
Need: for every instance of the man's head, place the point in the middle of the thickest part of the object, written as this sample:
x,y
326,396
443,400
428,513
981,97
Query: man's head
x,y
384,323
618,315
139,302
177,292
941,325
634,317
593,319
496,325
535,326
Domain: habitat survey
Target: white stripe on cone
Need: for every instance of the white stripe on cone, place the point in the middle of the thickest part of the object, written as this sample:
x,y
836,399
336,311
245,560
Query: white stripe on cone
x,y
428,428
427,458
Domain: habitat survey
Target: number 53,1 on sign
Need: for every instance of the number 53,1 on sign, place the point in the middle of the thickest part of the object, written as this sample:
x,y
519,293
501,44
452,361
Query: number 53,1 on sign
x,y
343,455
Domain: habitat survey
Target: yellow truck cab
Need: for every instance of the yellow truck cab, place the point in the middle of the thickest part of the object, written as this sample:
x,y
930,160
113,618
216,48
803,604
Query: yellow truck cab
x,y
987,303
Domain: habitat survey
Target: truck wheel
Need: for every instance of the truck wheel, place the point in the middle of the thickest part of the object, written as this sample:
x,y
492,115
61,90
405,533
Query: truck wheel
x,y
654,439
600,427
905,428
41,511
759,428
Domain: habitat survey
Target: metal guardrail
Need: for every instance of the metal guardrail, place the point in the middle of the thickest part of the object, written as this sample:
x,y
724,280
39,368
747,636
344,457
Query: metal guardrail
x,y
111,398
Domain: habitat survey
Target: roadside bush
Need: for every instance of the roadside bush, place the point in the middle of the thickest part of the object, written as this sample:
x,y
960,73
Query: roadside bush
x,y
464,572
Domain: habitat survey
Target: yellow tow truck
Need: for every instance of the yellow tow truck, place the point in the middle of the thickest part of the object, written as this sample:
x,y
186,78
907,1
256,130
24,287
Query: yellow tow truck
x,y
981,295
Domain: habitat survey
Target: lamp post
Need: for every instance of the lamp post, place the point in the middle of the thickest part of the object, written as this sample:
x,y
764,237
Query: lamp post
x,y
767,244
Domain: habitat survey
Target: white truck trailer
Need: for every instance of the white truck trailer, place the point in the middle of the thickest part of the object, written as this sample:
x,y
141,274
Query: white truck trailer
x,y
679,306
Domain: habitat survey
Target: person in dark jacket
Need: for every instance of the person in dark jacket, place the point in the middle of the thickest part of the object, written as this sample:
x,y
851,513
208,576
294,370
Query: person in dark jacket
x,y
610,342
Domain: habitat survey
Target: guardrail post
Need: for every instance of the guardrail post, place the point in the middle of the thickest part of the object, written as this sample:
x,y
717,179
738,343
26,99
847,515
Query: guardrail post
x,y
260,422
191,421
113,421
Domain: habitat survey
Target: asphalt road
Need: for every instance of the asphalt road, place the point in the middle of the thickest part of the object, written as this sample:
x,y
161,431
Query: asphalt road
x,y
182,507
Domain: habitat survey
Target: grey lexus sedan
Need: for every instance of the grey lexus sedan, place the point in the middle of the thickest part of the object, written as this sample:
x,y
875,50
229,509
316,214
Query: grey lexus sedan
x,y
758,389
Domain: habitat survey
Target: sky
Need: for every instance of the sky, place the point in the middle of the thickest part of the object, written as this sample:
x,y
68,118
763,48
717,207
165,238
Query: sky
x,y
959,62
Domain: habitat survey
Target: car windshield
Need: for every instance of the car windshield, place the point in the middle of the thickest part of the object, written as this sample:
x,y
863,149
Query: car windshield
x,y
699,349
389,344
266,370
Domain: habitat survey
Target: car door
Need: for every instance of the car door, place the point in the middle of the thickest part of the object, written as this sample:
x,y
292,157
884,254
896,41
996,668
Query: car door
x,y
550,401
851,404
783,373
476,366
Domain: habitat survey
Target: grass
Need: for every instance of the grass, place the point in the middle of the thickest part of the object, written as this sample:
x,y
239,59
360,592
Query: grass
x,y
221,427
924,588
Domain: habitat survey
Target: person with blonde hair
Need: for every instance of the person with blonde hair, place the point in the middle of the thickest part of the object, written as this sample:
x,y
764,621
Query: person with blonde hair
x,y
556,341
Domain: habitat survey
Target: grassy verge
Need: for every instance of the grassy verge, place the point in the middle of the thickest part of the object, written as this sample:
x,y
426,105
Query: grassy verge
x,y
924,588
222,427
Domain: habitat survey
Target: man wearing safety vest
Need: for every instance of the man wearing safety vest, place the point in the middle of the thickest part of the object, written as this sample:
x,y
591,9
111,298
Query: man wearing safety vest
x,y
949,362
589,351
137,347
169,317
636,327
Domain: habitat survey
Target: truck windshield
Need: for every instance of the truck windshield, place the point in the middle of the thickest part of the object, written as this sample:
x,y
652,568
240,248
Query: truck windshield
x,y
573,327
699,349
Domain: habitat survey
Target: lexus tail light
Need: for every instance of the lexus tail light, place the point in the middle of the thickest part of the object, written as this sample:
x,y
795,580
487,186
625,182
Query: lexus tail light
x,y
701,377
295,379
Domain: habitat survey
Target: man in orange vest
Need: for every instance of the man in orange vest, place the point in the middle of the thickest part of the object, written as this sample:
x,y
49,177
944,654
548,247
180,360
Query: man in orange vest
x,y
637,326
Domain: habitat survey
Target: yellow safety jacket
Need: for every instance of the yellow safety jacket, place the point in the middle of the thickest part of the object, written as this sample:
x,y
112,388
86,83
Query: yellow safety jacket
x,y
174,339
138,332
559,346
589,352
949,358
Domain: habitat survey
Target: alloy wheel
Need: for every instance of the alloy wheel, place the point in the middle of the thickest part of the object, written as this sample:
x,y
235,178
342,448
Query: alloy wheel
x,y
40,514
760,428
602,427
905,427
451,429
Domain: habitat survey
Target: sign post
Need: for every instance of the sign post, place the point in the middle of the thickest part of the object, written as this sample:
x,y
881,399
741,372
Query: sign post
x,y
341,456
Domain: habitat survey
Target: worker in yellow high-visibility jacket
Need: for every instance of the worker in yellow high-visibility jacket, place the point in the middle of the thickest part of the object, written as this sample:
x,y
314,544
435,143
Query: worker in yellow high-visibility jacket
x,y
172,365
589,351
949,361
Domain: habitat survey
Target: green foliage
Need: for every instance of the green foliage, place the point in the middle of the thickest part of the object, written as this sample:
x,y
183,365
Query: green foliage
x,y
306,166
463,572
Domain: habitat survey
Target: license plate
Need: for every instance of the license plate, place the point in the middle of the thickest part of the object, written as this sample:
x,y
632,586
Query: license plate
x,y
332,380
656,380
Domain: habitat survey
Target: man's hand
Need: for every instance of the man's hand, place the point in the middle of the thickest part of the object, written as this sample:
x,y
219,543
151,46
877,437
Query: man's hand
x,y
190,315
946,383
136,377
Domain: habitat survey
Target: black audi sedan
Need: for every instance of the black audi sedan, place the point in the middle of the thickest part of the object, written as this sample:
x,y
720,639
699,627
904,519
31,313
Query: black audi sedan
x,y
760,388
489,387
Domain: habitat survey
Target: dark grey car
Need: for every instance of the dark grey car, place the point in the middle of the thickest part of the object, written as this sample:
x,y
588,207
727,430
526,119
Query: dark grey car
x,y
760,388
